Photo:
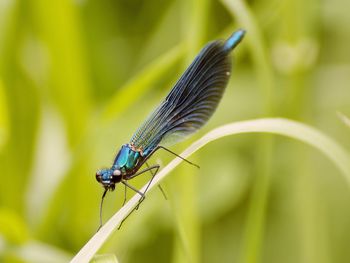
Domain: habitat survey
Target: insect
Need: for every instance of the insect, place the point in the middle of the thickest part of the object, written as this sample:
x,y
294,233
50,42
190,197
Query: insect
x,y
187,107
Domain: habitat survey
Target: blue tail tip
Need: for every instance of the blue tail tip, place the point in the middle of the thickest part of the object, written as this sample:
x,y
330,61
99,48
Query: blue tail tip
x,y
234,39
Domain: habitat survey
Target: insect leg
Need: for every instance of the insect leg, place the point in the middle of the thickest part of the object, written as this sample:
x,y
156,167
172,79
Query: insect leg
x,y
149,168
159,186
143,171
162,147
140,193
124,195
131,187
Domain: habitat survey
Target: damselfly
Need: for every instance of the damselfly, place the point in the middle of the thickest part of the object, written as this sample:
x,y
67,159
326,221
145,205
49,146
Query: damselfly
x,y
187,107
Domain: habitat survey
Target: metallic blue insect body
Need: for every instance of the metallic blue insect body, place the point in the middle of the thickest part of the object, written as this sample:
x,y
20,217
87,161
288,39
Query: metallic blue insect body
x,y
187,107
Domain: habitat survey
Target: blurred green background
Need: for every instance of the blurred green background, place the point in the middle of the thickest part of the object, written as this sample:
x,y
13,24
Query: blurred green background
x,y
78,77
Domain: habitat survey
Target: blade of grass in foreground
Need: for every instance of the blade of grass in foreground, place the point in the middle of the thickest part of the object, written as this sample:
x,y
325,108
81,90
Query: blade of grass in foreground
x,y
292,129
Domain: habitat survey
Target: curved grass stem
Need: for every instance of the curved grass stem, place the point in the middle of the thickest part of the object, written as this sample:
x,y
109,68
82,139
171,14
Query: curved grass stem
x,y
333,151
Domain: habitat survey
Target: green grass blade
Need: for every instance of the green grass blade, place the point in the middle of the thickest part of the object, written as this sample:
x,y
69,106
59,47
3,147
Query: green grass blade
x,y
69,75
255,227
257,48
4,123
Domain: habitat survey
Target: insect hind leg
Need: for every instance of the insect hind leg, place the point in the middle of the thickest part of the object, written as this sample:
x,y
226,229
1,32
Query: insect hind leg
x,y
159,186
177,155
140,193
149,168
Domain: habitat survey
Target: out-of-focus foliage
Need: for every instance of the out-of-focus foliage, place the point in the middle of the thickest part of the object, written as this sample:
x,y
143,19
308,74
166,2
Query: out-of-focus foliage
x,y
78,77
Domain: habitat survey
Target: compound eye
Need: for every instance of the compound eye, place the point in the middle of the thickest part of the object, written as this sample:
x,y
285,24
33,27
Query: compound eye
x,y
98,176
117,172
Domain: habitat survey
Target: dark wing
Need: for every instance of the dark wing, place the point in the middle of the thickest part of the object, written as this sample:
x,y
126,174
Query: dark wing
x,y
193,99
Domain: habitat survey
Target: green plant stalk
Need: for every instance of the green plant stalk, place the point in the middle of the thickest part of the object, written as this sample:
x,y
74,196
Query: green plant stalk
x,y
21,112
255,41
314,242
185,213
4,122
256,214
188,238
61,34
299,131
